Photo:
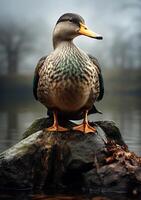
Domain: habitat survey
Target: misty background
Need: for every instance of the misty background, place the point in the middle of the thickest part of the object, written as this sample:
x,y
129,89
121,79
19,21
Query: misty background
x,y
26,31
26,35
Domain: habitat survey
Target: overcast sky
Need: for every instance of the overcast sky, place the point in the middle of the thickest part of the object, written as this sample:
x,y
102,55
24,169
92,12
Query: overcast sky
x,y
97,13
102,16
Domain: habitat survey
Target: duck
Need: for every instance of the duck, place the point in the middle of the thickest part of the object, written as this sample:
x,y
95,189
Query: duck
x,y
69,81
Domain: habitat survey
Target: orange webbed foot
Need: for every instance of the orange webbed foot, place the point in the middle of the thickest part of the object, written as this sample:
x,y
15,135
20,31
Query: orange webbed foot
x,y
56,128
86,128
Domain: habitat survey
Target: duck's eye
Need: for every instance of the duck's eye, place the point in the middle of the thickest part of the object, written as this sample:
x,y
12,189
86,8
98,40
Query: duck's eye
x,y
71,20
74,21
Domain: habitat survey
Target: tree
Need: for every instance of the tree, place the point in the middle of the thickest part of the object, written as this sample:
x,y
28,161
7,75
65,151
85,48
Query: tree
x,y
12,39
133,8
16,42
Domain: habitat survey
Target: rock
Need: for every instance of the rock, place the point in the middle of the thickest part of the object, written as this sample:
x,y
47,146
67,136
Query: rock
x,y
99,162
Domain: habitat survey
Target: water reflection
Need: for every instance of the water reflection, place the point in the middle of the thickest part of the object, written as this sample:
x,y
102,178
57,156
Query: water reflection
x,y
18,115
124,110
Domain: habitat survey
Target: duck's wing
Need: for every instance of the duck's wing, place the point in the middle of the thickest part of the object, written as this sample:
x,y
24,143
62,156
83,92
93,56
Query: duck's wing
x,y
36,76
101,83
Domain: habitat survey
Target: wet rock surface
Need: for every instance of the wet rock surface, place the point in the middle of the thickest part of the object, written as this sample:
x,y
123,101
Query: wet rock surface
x,y
99,162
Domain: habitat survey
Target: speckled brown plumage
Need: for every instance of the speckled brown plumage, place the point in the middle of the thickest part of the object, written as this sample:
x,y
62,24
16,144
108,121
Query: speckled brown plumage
x,y
67,80
70,86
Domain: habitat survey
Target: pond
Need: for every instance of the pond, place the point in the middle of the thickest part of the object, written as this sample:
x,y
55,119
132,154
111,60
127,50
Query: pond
x,y
17,116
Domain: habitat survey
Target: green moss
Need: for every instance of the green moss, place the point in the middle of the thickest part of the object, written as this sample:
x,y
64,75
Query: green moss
x,y
37,125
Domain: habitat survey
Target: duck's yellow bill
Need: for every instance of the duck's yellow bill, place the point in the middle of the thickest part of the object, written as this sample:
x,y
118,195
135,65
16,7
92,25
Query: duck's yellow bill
x,y
87,32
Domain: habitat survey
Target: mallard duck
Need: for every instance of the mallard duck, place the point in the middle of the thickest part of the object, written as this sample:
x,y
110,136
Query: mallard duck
x,y
68,81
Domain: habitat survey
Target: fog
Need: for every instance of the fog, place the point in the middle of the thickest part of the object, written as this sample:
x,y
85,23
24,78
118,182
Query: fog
x,y
117,21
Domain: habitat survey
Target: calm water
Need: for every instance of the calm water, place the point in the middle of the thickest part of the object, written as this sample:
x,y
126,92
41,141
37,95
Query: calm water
x,y
16,116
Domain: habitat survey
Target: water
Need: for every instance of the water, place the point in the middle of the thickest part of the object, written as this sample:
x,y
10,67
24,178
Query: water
x,y
17,115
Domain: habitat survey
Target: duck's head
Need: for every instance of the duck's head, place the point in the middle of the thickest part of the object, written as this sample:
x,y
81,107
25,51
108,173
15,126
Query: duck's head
x,y
69,26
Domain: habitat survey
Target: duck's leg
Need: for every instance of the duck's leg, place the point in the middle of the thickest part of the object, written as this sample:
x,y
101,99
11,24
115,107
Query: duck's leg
x,y
56,126
85,127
